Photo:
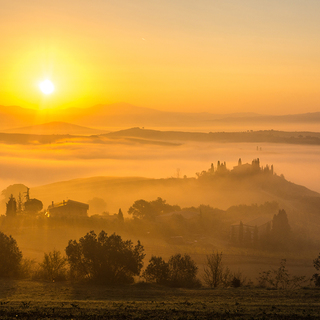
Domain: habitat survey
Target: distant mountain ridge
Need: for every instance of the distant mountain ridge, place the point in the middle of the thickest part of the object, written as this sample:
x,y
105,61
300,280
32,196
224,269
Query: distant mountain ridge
x,y
61,128
270,136
126,115
58,131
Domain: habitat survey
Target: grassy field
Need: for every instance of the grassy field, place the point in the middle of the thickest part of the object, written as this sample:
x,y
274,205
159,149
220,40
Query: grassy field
x,y
43,300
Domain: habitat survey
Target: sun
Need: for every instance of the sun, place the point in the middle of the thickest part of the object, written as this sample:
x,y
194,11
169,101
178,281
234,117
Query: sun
x,y
46,86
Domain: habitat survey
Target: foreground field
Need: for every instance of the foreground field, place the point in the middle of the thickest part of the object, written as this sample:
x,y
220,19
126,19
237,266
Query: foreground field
x,y
38,300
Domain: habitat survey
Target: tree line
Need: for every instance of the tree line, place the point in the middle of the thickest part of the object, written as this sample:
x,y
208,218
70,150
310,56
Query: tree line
x,y
161,219
110,260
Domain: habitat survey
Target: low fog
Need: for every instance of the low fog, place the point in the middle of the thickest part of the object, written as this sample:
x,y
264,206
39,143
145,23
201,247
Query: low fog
x,y
113,173
39,164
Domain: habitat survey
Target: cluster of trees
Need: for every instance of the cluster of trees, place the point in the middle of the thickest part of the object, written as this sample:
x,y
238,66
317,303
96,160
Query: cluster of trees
x,y
103,258
207,222
143,209
98,258
23,203
179,271
277,234
246,169
111,260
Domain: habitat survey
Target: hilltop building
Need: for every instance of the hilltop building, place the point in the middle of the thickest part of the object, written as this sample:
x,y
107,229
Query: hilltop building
x,y
18,207
242,169
252,168
68,209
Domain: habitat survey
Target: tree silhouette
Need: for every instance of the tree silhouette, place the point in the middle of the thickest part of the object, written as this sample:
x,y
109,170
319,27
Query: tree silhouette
x,y
54,266
120,216
247,239
182,271
280,228
157,271
11,207
10,256
241,235
143,209
13,189
19,203
33,206
316,276
160,206
97,205
105,259
213,270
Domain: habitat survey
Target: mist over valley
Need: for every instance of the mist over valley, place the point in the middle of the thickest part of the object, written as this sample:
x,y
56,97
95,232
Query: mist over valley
x,y
121,167
159,159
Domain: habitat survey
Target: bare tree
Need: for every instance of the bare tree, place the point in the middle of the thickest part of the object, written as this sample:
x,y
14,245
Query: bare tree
x,y
214,272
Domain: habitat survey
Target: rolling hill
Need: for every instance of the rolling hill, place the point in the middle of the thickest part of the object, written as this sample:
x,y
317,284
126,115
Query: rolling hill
x,y
61,131
270,136
123,115
302,205
60,128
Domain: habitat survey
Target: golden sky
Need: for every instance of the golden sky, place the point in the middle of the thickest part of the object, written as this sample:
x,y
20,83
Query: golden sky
x,y
219,56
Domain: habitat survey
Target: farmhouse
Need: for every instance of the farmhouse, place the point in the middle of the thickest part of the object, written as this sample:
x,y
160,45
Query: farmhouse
x,y
68,208
253,168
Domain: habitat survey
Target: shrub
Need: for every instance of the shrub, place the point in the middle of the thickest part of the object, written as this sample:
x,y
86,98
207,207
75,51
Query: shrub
x,y
238,280
27,268
316,277
280,278
53,267
10,257
180,271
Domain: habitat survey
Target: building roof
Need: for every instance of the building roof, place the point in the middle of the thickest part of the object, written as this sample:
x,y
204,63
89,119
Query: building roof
x,y
69,203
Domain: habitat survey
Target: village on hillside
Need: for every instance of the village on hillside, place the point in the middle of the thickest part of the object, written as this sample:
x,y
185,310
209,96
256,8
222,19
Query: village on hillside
x,y
23,204
244,229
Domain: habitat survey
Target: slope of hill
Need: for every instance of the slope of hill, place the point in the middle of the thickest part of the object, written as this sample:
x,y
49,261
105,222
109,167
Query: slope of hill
x,y
61,131
11,116
62,128
302,205
270,136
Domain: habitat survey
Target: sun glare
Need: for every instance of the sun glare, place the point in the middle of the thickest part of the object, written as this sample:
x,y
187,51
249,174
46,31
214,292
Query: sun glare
x,y
46,86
